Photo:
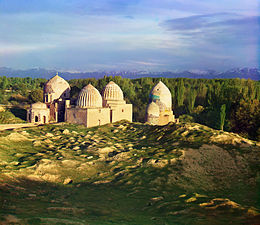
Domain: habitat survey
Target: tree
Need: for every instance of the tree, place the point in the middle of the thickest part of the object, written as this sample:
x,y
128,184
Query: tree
x,y
244,118
222,116
5,83
191,100
180,93
36,96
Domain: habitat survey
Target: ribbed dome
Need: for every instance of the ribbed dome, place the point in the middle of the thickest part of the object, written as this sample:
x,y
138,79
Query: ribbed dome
x,y
112,92
161,92
56,86
89,97
39,105
153,109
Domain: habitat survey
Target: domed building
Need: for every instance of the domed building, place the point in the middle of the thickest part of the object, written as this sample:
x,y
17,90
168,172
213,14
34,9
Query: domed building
x,y
153,113
56,88
92,109
161,93
89,97
112,94
113,98
38,113
159,110
55,92
88,109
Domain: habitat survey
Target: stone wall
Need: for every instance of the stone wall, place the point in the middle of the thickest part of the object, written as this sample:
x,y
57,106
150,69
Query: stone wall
x,y
76,115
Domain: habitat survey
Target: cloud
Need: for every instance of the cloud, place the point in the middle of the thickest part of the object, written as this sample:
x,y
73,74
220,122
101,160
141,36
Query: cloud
x,y
150,63
218,20
217,40
195,22
230,31
139,8
168,34
18,49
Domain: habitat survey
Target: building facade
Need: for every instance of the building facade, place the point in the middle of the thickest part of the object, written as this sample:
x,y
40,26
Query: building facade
x,y
38,113
92,109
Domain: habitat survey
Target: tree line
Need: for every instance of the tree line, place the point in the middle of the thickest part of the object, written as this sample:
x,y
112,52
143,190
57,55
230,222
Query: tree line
x,y
227,104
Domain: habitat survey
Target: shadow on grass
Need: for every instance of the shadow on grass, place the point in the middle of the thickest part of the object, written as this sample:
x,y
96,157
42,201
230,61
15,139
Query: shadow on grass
x,y
35,202
19,112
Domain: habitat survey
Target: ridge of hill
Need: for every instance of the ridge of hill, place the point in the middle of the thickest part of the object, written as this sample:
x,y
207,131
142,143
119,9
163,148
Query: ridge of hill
x,y
131,173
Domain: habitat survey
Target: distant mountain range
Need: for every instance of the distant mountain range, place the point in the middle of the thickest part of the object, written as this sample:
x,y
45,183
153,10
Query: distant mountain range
x,y
251,73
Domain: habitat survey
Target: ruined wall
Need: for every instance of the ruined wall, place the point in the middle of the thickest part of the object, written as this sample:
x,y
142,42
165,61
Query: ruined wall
x,y
76,115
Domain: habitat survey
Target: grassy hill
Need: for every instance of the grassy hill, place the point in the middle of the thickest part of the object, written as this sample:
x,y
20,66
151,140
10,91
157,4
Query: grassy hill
x,y
12,116
128,173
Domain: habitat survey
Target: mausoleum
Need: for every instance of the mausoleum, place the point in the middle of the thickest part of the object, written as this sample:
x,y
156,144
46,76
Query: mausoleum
x,y
91,108
159,110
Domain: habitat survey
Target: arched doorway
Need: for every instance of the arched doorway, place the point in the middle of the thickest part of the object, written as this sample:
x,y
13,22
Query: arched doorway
x,y
36,119
44,119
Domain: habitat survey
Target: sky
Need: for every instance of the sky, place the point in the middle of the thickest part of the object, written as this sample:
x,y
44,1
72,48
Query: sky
x,y
153,35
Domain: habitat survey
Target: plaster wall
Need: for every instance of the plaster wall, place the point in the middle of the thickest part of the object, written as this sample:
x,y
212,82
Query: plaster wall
x,y
121,112
97,116
38,115
165,118
90,117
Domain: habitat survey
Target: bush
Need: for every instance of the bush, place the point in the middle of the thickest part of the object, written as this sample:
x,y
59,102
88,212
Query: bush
x,y
186,118
36,96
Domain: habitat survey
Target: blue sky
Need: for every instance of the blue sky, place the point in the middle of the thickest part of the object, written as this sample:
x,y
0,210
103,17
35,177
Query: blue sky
x,y
87,35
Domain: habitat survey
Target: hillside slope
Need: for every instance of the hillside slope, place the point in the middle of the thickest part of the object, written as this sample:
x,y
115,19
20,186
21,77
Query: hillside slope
x,y
164,174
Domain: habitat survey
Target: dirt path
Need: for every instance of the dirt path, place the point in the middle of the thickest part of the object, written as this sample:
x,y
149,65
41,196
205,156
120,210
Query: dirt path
x,y
17,125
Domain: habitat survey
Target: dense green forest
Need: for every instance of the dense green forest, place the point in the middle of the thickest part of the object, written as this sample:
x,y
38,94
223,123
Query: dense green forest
x,y
228,104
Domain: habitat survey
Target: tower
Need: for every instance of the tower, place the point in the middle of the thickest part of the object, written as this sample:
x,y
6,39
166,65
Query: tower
x,y
56,91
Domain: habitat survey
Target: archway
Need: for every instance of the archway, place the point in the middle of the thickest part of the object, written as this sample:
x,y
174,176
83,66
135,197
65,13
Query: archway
x,y
36,119
44,119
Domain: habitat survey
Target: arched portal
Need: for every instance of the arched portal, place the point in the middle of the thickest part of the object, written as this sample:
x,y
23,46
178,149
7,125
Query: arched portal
x,y
36,119
44,119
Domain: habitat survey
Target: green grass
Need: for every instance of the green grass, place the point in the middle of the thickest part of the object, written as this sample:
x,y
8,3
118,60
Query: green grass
x,y
109,204
116,171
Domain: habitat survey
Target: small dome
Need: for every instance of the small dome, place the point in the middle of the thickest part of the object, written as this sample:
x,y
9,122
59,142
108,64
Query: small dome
x,y
153,109
39,105
161,92
112,92
89,97
56,86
